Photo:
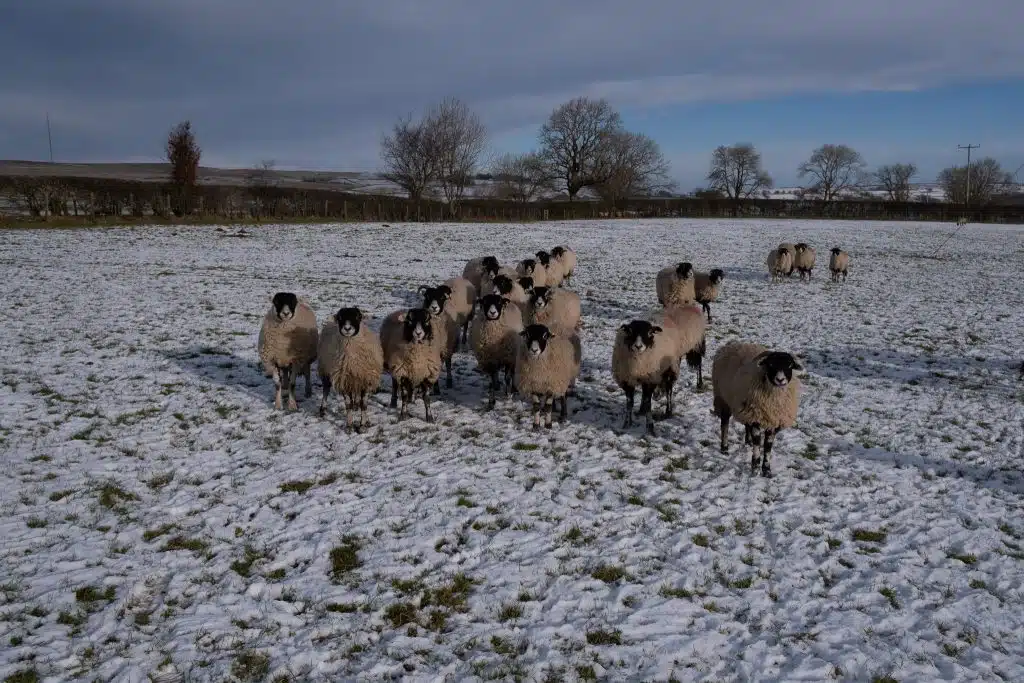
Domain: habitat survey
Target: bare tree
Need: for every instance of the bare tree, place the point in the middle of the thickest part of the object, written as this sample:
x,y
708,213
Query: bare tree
x,y
28,195
736,171
183,153
456,139
260,182
834,169
571,142
987,180
409,160
635,166
895,180
520,177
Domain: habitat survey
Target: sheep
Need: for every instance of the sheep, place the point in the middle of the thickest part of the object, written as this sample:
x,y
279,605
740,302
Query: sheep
x,y
707,287
516,290
757,386
791,248
557,309
553,276
492,271
475,269
675,285
645,356
287,345
461,294
546,366
564,259
494,337
686,323
349,358
534,270
779,262
838,262
445,330
803,259
410,357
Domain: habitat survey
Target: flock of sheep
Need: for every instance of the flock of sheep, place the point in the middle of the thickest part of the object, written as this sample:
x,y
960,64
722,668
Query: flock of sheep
x,y
523,327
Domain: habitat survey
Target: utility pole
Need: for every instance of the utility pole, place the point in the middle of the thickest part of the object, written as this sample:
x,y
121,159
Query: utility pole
x,y
49,137
967,200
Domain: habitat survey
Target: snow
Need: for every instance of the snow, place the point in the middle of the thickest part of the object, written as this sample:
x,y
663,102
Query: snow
x,y
142,458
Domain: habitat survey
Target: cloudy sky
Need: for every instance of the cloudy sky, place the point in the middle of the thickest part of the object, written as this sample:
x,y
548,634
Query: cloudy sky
x,y
314,83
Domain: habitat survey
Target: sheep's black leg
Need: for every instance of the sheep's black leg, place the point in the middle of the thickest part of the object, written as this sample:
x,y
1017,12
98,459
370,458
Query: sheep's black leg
x,y
507,372
755,444
394,392
535,401
448,368
724,414
349,407
426,402
707,309
325,382
630,402
406,387
309,382
668,385
647,391
437,388
288,387
548,405
766,458
563,414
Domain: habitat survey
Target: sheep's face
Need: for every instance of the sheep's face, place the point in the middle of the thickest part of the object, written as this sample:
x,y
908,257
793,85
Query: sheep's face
x,y
543,257
716,276
491,265
638,336
492,305
558,252
349,321
285,304
503,285
836,250
783,251
684,270
435,298
800,247
529,266
417,327
526,283
535,339
778,367
541,296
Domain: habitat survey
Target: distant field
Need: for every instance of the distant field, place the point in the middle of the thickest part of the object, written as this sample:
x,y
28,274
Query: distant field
x,y
160,521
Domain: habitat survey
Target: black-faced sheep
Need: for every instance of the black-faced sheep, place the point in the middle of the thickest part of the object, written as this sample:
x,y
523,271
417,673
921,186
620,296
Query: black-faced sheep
x,y
494,337
410,357
647,357
779,262
445,329
803,259
476,269
838,263
707,287
546,366
350,359
675,286
517,290
759,388
558,309
287,345
791,248
564,259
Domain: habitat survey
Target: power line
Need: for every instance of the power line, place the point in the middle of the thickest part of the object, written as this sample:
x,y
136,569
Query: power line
x,y
49,136
967,198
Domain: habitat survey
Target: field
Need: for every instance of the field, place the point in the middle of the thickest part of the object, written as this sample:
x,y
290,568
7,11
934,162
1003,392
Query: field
x,y
160,521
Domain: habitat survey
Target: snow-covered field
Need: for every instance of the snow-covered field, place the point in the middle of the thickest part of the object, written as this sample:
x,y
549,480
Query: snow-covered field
x,y
160,521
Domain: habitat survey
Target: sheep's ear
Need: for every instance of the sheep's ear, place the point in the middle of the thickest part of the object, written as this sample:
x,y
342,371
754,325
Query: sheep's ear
x,y
624,327
761,358
422,289
359,315
656,329
798,366
505,301
522,333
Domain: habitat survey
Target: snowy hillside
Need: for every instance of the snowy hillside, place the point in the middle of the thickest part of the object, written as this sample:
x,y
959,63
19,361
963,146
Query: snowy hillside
x,y
159,519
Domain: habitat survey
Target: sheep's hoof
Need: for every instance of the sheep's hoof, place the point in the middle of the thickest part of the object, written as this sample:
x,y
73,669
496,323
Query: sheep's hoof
x,y
277,404
448,383
766,472
292,405
723,450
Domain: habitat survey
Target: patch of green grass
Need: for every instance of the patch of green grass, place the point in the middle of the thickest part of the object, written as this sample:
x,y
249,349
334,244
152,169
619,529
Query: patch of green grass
x,y
342,607
520,446
452,595
742,584
92,594
110,495
603,637
667,591
890,594
160,480
136,416
149,534
243,566
978,583
36,523
73,620
400,613
251,666
833,543
345,557
712,606
966,558
701,540
586,673
869,536
509,611
276,575
407,586
15,641
297,486
464,502
811,452
23,676
40,458
609,573
59,495
884,679
196,545
635,500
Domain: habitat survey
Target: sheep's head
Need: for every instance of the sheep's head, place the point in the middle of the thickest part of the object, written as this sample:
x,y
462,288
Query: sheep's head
x,y
558,252
800,247
529,266
417,327
435,298
716,276
526,283
285,304
544,257
535,338
349,320
684,270
541,296
492,305
491,265
836,250
778,367
638,336
503,284
783,251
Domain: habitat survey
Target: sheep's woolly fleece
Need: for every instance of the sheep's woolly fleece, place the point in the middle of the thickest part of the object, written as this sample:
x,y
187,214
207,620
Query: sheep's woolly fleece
x,y
158,517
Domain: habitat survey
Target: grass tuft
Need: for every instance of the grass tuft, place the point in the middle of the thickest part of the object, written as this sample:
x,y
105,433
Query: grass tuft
x,y
345,557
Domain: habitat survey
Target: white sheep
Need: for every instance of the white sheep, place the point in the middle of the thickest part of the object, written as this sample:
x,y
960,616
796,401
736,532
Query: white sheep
x,y
534,270
557,309
494,337
552,272
349,359
838,263
779,262
461,295
759,388
517,290
546,366
445,330
645,356
707,287
476,269
791,248
686,325
803,259
287,345
675,286
564,259
492,271
410,357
